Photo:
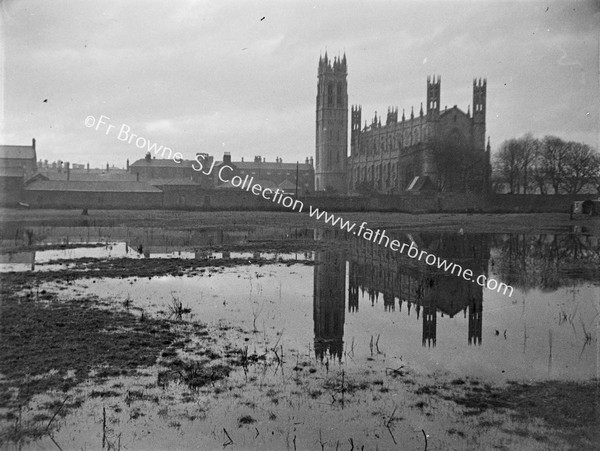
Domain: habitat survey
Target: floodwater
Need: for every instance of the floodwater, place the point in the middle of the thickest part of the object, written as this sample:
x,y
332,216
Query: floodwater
x,y
353,309
364,300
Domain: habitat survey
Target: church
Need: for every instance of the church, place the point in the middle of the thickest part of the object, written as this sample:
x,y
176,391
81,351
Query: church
x,y
432,149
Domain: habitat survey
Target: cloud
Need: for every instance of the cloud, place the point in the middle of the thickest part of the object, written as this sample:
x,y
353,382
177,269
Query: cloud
x,y
201,76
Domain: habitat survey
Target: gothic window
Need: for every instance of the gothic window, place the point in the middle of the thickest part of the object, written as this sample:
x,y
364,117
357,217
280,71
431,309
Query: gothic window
x,y
330,94
340,100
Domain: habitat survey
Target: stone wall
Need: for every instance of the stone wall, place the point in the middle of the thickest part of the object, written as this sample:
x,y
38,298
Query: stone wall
x,y
93,200
194,198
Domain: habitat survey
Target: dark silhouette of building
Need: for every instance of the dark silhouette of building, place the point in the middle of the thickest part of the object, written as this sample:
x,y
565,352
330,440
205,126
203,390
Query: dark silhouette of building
x,y
329,303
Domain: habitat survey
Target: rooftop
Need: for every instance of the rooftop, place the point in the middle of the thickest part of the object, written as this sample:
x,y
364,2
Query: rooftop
x,y
91,186
17,152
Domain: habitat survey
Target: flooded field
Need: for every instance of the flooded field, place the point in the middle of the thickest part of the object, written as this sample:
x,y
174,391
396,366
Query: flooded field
x,y
281,337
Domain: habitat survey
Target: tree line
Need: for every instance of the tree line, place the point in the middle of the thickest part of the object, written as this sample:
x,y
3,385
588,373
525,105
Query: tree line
x,y
549,165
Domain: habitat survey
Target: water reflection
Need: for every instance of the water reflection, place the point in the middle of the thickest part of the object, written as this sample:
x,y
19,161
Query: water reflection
x,y
372,270
545,261
359,291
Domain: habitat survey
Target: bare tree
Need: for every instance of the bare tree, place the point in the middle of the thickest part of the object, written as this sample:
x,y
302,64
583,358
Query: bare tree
x,y
595,172
552,161
526,164
508,165
578,168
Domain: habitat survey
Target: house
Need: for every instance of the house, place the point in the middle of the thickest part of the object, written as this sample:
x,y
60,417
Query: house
x,y
148,169
271,174
17,163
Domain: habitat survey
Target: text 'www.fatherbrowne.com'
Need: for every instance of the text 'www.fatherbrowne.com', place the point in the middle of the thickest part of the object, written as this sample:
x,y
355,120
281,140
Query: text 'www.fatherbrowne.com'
x,y
380,237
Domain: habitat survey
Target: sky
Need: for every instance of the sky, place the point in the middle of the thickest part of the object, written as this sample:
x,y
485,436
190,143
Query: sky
x,y
241,76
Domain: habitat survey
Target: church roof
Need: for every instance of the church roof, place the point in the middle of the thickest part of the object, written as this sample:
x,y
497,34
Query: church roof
x,y
449,110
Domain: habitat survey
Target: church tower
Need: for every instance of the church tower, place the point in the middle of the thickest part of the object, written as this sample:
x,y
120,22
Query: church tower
x,y
332,126
479,94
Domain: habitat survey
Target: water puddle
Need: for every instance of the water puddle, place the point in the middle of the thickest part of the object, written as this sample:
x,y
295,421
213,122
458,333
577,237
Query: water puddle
x,y
359,304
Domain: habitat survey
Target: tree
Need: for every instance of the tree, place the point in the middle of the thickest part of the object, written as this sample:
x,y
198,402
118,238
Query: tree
x,y
525,164
595,172
529,149
459,167
553,155
578,167
509,165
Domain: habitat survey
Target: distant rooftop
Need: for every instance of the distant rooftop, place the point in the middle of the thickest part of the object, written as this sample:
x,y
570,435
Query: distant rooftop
x,y
161,163
17,152
249,165
91,186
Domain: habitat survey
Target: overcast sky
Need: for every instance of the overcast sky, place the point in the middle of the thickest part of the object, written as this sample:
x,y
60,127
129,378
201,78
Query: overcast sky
x,y
241,76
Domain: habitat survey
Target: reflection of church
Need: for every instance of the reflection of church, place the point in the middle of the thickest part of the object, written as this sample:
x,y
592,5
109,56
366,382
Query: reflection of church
x,y
375,271
329,300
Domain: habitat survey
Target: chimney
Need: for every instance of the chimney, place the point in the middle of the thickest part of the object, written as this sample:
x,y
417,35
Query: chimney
x,y
68,166
226,157
242,159
88,167
127,164
34,151
311,161
264,159
107,169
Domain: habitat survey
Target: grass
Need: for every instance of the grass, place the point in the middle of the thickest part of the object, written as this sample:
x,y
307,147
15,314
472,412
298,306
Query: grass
x,y
572,409
41,342
176,309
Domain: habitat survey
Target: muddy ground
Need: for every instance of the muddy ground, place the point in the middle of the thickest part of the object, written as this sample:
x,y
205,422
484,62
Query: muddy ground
x,y
183,220
140,380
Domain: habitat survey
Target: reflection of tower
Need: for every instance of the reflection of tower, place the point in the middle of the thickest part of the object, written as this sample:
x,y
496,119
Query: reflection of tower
x,y
475,321
353,288
429,325
328,306
389,302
